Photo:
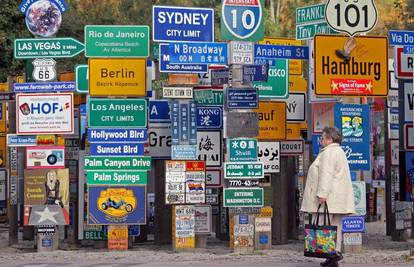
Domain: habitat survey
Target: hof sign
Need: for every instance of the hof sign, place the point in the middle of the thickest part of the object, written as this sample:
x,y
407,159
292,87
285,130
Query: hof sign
x,y
242,20
44,70
351,17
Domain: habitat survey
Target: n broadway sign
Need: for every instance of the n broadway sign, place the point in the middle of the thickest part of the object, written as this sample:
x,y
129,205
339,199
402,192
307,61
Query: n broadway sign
x,y
47,48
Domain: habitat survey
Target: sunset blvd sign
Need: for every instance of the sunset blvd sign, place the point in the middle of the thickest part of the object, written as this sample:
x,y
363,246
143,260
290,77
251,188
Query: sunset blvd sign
x,y
47,48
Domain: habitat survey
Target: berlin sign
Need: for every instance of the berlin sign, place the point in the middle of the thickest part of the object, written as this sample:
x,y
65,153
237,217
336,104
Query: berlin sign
x,y
242,20
361,69
351,17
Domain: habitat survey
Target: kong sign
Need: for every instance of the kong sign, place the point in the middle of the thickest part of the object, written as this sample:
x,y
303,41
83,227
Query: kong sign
x,y
351,67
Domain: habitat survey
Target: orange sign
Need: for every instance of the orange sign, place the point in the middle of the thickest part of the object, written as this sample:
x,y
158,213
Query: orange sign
x,y
295,66
293,131
351,66
117,237
182,79
272,120
297,84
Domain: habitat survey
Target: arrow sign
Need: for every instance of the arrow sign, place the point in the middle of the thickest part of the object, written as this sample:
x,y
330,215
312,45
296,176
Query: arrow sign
x,y
47,48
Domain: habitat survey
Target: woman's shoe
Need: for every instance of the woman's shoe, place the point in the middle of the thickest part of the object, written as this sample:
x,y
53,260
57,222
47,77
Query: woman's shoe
x,y
329,263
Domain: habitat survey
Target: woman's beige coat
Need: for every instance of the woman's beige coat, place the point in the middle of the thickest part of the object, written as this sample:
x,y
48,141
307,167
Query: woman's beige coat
x,y
329,177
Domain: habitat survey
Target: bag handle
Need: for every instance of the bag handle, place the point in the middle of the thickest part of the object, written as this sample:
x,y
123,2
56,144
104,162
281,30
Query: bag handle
x,y
325,215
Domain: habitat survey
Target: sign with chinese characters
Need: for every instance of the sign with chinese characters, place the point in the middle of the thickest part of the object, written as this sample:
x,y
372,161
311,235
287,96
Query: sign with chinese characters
x,y
210,147
353,121
209,117
198,53
242,149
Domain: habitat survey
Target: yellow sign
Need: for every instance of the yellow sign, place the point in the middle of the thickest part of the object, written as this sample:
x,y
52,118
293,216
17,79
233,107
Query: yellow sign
x,y
297,84
293,131
67,76
47,140
266,212
117,237
117,77
3,149
295,66
122,201
272,120
4,87
182,79
351,67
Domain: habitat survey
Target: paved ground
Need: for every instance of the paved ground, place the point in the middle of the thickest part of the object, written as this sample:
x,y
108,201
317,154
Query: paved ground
x,y
378,250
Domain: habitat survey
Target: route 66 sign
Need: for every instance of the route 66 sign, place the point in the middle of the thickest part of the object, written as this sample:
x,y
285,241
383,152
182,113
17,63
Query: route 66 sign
x,y
242,20
44,70
351,16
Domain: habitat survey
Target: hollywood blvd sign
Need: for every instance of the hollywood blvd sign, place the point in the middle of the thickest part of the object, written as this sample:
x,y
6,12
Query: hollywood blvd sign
x,y
47,48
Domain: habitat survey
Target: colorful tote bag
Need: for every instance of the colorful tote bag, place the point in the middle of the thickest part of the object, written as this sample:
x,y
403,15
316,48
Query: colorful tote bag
x,y
320,240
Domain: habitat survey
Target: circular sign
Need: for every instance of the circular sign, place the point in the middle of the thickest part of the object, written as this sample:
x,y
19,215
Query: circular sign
x,y
43,18
242,18
351,17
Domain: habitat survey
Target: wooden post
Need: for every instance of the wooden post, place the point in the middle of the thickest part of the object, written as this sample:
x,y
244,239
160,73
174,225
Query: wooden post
x,y
163,214
280,221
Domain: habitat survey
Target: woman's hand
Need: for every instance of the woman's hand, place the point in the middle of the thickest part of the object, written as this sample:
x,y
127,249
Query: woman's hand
x,y
321,200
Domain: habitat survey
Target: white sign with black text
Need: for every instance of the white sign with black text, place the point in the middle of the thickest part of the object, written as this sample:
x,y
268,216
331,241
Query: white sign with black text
x,y
269,154
209,147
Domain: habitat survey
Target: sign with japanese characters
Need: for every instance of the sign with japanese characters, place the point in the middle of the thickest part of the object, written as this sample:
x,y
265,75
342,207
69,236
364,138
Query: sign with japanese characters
x,y
209,145
242,149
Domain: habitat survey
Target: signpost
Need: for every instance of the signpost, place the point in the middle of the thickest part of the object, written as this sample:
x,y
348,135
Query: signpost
x,y
44,70
277,84
243,170
269,154
47,48
310,20
240,98
182,24
351,17
142,163
117,113
209,117
117,77
272,120
116,41
241,20
242,149
243,197
241,52
166,66
198,53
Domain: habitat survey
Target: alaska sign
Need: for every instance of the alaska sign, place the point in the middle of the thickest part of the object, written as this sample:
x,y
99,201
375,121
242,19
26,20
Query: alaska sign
x,y
351,66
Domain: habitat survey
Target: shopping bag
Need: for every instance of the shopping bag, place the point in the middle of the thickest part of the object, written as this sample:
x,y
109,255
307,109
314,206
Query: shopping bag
x,y
320,240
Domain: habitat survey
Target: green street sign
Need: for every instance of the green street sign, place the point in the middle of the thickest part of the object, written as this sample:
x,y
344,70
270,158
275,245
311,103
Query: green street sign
x,y
243,170
117,113
116,41
241,21
242,149
308,14
306,32
142,163
243,197
117,178
94,235
208,97
47,48
156,52
277,85
81,78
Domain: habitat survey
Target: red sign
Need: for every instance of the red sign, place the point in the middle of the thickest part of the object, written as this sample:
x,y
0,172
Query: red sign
x,y
195,166
351,86
404,64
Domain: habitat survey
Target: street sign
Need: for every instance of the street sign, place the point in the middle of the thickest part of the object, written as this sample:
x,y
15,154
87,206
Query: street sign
x,y
243,170
25,140
242,183
296,107
114,149
408,137
310,20
183,121
44,87
117,77
166,66
403,64
45,157
116,177
213,178
159,141
116,41
209,117
47,48
269,154
365,74
241,20
198,53
219,77
240,98
242,149
272,120
182,24
255,73
11,96
81,79
405,38
177,92
209,144
263,51
159,111
117,135
243,197
351,17
360,197
117,113
208,97
44,70
242,124
183,79
241,52
292,147
44,113
353,224
408,102
117,163
183,152
277,84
